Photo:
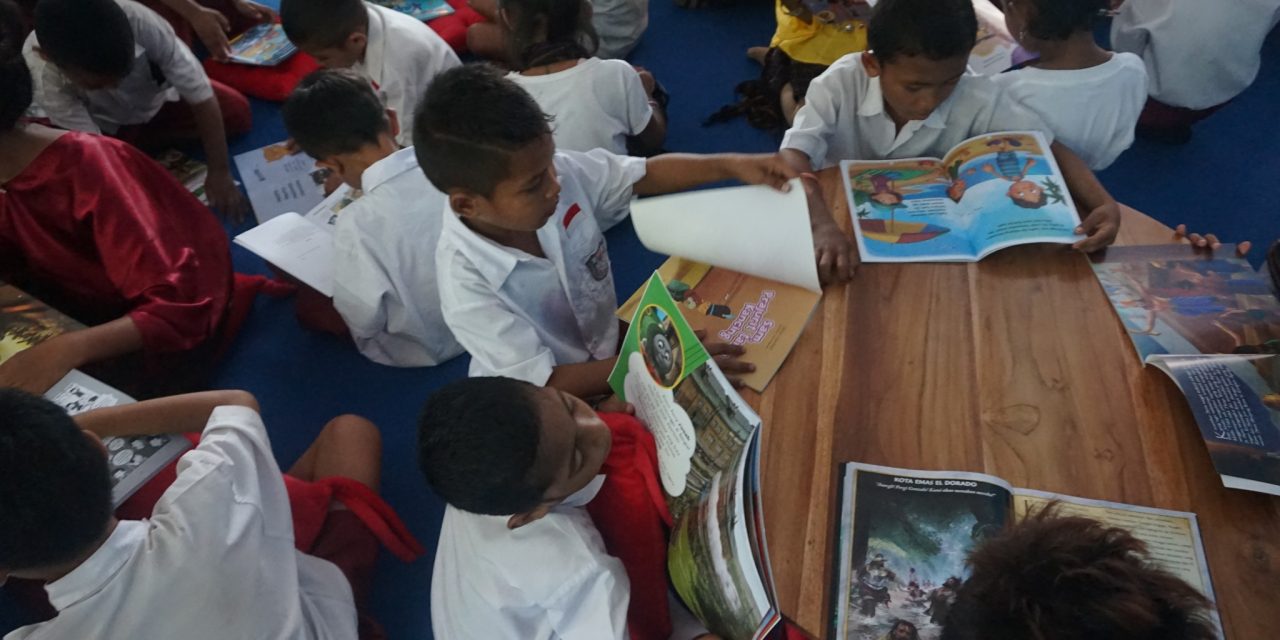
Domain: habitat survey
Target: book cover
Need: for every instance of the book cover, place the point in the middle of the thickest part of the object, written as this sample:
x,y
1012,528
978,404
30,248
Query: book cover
x,y
421,9
262,45
277,181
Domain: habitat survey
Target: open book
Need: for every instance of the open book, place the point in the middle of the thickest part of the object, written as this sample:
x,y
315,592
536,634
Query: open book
x,y
709,462
262,45
1212,324
421,9
744,270
278,182
25,322
903,537
988,193
302,245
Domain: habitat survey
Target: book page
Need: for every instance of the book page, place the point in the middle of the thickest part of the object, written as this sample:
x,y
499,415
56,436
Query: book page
x,y
301,248
262,45
755,230
326,213
278,182
904,211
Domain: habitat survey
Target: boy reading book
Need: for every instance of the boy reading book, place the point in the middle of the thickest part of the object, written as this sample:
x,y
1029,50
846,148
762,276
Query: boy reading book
x,y
384,273
399,54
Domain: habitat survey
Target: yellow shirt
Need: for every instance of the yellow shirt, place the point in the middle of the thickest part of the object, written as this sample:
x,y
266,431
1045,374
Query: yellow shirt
x,y
816,42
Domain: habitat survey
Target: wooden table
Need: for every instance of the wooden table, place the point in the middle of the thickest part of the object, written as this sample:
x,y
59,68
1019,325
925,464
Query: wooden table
x,y
1017,367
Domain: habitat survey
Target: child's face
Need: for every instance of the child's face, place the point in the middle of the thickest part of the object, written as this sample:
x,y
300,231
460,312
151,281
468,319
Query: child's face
x,y
913,86
342,56
1027,192
525,199
572,446
89,80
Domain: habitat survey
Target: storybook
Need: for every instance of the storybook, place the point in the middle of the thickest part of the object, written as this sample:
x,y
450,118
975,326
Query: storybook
x,y
903,536
708,443
262,45
988,193
1210,322
132,461
188,171
743,267
277,181
421,9
302,245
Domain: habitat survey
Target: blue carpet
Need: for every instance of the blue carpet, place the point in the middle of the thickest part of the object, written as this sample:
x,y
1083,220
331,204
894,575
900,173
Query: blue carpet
x,y
1224,180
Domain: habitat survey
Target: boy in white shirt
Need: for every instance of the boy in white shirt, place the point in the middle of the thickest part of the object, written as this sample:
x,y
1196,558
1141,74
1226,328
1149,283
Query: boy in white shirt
x,y
116,67
215,560
908,96
399,53
384,283
525,280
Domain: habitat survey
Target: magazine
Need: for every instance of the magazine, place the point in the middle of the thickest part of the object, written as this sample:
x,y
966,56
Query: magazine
x,y
904,535
708,458
25,322
278,181
186,170
988,193
302,245
421,9
1211,323
262,45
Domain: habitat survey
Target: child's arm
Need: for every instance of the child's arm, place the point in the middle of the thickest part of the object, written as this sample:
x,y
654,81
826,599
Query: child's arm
x,y
219,186
584,379
654,134
186,413
38,368
837,259
672,172
1102,222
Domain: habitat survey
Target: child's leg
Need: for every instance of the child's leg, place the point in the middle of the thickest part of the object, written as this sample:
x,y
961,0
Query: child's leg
x,y
349,447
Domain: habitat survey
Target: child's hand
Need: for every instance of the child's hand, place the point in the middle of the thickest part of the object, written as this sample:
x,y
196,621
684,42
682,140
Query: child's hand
x,y
837,258
614,404
1101,226
726,356
224,196
212,27
1207,241
254,11
762,168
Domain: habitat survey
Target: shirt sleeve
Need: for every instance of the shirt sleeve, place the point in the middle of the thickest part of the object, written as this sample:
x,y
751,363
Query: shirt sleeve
x,y
817,120
639,113
591,606
171,55
608,180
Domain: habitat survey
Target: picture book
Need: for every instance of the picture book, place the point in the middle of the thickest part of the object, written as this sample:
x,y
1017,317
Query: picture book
x,y
743,267
903,536
708,443
421,9
277,181
1212,324
988,193
186,170
25,322
262,45
302,245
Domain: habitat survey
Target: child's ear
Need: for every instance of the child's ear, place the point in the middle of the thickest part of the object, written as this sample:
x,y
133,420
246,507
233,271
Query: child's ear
x,y
871,63
464,203
97,442
394,119
533,515
356,41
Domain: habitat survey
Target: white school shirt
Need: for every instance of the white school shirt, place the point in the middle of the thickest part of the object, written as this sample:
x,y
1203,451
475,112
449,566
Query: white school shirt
x,y
384,283
518,315
619,23
1092,111
140,94
844,118
1198,54
596,104
402,56
215,561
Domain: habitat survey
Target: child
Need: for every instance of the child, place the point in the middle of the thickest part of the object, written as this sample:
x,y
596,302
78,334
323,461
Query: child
x,y
116,67
213,21
1089,97
1072,578
399,54
525,280
908,96
217,554
597,104
617,23
384,272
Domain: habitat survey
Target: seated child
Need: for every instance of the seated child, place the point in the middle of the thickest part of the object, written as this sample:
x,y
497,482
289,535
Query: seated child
x,y
400,54
525,280
1072,578
617,23
215,22
597,104
217,556
384,270
909,96
98,230
1089,97
116,67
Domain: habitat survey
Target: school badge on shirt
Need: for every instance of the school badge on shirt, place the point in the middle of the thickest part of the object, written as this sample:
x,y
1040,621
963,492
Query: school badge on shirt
x,y
598,262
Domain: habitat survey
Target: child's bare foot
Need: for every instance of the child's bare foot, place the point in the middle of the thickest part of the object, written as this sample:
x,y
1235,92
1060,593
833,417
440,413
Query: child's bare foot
x,y
757,54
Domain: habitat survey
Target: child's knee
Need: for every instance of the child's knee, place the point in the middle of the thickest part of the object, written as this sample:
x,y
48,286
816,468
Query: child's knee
x,y
351,431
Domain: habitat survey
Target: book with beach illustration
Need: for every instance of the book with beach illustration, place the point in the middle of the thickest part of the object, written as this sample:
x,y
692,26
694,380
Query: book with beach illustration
x,y
262,45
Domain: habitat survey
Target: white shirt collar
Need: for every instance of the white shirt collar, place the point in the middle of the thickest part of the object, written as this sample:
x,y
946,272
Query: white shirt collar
x,y
494,261
94,573
388,168
584,495
873,105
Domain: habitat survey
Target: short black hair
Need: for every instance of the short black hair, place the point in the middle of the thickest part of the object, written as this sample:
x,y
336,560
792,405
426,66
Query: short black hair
x,y
1059,19
322,23
478,444
15,77
55,488
935,29
469,122
334,111
86,35
564,27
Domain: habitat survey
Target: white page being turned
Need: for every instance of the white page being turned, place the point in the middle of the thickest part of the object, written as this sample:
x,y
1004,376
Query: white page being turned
x,y
301,248
755,230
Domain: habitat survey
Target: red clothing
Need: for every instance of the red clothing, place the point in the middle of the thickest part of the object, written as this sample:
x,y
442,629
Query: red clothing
x,y
97,229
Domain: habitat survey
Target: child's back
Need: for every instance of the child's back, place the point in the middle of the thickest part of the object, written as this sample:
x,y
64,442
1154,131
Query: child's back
x,y
596,103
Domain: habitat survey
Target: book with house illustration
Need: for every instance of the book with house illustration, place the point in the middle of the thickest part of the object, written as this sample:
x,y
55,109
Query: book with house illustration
x,y
1211,323
421,9
278,181
262,45
302,245
988,193
903,535
708,443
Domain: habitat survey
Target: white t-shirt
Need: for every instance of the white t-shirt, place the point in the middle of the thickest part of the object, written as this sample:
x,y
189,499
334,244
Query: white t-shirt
x,y
215,561
403,55
138,96
844,118
384,283
1092,111
596,104
1198,54
518,315
619,23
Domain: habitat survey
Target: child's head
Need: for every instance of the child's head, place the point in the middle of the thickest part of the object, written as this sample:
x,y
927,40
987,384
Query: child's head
x,y
55,491
334,32
90,41
483,140
546,31
334,115
497,446
919,49
1026,194
1071,578
1034,21
903,630
15,77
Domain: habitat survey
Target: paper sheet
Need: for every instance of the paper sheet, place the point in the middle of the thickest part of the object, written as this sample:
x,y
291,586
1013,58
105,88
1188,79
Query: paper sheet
x,y
303,249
